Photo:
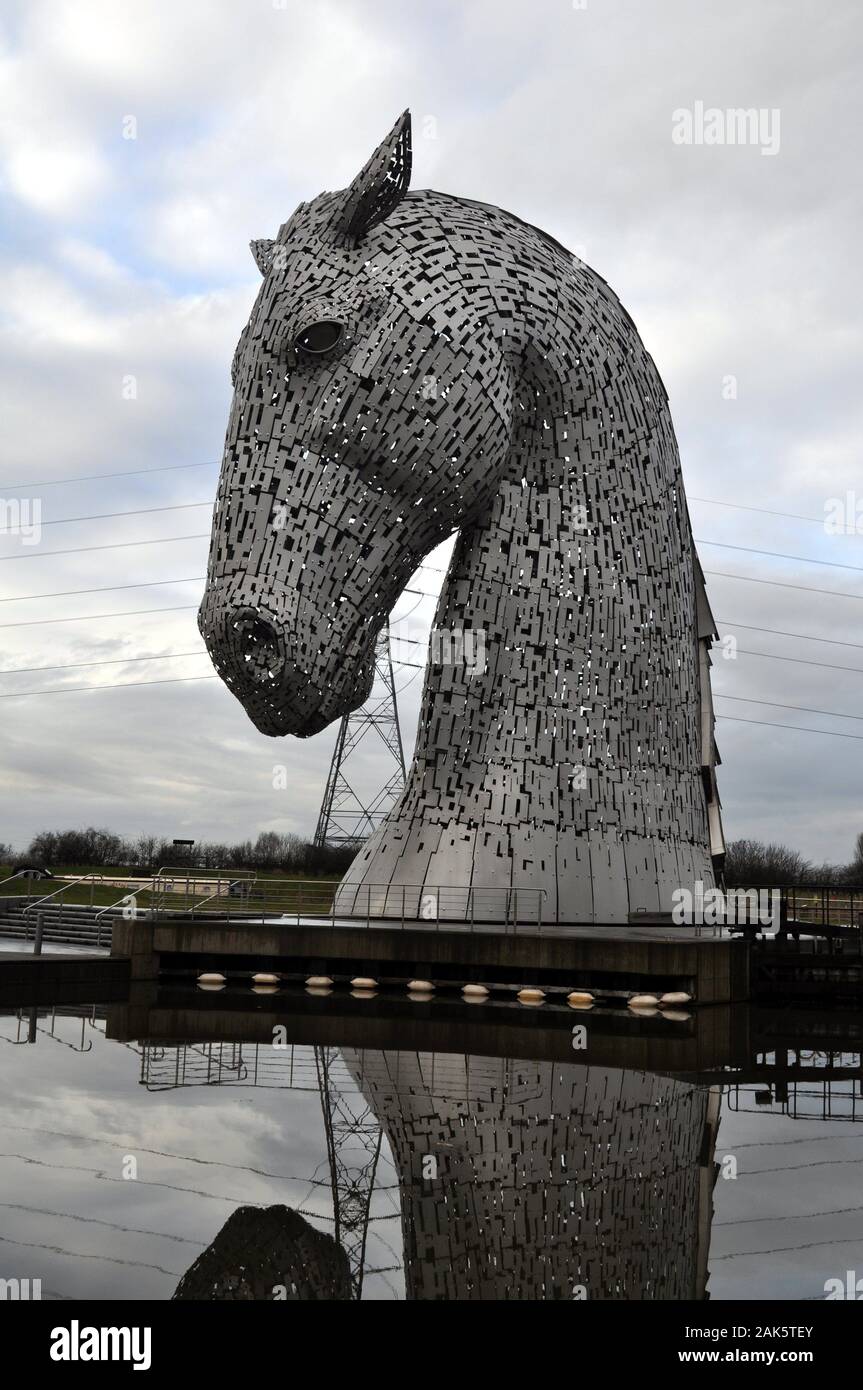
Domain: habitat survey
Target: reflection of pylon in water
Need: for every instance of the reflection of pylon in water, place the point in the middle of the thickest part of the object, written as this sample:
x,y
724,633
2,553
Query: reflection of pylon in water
x,y
345,817
353,1148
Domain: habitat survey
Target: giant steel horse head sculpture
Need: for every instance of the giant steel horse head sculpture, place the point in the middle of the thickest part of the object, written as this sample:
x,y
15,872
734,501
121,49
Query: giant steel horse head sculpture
x,y
417,364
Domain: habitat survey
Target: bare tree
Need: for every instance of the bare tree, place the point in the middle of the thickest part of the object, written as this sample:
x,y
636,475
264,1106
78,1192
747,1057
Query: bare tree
x,y
749,862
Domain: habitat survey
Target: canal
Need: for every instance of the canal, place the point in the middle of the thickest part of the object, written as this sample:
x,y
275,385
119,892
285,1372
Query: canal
x,y
226,1154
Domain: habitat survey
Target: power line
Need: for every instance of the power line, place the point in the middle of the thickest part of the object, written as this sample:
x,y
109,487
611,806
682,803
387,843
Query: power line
x,y
137,511
779,584
121,660
763,511
780,632
769,656
157,583
801,709
160,540
213,463
719,574
125,685
97,477
418,666
59,690
106,589
199,579
94,617
801,661
113,685
799,728
86,617
117,545
113,661
776,555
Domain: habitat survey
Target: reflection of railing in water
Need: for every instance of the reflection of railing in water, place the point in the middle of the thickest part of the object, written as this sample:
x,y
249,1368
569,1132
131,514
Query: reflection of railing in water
x,y
28,1021
167,1067
806,1097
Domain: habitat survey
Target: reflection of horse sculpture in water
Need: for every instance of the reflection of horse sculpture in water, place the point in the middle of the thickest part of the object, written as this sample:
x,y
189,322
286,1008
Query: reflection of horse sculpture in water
x,y
518,1180
417,364
536,1180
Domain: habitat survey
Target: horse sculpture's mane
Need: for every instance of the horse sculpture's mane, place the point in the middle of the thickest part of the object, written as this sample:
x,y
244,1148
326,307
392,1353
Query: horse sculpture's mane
x,y
484,381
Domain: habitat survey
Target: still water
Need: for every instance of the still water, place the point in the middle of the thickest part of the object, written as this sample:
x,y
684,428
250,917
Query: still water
x,y
233,1168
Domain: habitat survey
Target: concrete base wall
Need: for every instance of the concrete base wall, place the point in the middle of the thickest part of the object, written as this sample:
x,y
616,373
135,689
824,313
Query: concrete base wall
x,y
710,969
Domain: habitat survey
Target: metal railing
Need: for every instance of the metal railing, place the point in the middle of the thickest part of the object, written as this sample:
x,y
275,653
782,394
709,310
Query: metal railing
x,y
92,879
823,905
435,904
268,899
130,893
29,874
814,917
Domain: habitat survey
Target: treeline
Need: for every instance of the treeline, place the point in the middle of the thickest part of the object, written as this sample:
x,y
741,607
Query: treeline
x,y
747,862
92,848
751,863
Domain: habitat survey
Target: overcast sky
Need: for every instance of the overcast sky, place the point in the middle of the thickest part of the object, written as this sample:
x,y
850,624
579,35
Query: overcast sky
x,y
125,266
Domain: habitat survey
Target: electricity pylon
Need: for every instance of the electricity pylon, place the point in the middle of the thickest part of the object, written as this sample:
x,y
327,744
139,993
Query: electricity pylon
x,y
354,1137
345,818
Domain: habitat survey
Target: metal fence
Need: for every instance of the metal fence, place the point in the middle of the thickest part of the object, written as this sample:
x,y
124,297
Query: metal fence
x,y
271,898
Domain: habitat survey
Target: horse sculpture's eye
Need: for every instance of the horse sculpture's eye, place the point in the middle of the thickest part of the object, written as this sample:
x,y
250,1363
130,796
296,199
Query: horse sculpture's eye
x,y
320,337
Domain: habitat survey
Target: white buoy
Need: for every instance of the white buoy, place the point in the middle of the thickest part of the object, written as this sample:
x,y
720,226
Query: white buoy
x,y
319,982
363,982
531,995
363,994
265,989
211,979
475,992
643,1001
675,997
264,979
580,998
318,989
420,986
676,1015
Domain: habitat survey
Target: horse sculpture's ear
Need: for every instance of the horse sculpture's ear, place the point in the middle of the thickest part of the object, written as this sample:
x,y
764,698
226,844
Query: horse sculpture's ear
x,y
262,250
380,185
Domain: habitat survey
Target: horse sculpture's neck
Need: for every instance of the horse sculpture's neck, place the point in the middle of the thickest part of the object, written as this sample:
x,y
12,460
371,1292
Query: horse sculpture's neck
x,y
571,760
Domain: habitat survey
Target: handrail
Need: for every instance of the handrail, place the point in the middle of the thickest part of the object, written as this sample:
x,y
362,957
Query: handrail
x,y
121,901
21,873
84,878
218,892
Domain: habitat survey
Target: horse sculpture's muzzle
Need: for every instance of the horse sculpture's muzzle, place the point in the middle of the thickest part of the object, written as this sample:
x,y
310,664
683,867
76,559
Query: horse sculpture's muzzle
x,y
256,655
286,685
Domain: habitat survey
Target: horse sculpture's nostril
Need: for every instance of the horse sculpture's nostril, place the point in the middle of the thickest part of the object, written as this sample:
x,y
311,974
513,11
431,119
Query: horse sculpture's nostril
x,y
258,646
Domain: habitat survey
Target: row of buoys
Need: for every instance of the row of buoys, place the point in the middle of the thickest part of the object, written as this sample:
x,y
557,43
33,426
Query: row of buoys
x,y
668,1004
365,986
263,982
